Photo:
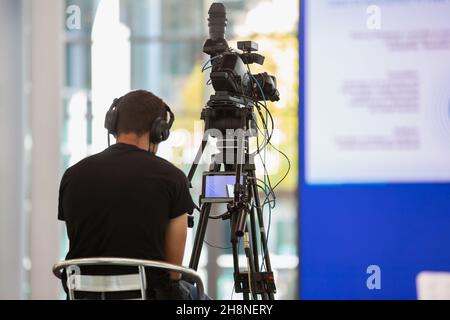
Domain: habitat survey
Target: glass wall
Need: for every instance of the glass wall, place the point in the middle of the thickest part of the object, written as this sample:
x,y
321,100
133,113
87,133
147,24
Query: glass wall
x,y
157,45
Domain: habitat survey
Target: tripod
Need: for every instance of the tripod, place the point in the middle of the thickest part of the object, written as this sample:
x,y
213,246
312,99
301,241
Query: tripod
x,y
225,114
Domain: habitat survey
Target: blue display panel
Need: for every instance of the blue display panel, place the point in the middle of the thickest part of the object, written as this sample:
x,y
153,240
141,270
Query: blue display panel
x,y
219,186
375,147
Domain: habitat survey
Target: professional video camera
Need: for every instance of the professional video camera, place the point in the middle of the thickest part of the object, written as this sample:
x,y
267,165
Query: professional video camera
x,y
231,78
229,72
228,113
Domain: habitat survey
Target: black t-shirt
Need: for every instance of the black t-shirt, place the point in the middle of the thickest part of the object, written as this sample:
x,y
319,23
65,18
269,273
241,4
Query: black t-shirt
x,y
118,203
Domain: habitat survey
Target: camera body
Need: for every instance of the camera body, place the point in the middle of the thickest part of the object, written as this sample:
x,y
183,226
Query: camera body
x,y
229,67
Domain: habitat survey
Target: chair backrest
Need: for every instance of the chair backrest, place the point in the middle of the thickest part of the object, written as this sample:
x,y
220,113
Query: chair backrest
x,y
116,283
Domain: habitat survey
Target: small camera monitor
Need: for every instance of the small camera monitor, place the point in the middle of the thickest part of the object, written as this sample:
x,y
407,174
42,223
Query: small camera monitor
x,y
218,187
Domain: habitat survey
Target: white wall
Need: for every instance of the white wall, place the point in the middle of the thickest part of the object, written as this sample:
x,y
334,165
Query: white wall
x,y
46,117
30,118
12,161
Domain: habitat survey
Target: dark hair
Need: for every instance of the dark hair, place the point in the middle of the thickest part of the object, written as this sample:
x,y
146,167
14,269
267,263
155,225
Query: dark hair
x,y
137,110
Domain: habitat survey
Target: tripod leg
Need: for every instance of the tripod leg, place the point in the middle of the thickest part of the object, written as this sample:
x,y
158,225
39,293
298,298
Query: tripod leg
x,y
254,238
200,236
253,252
197,159
235,244
254,248
204,216
261,228
252,269
254,243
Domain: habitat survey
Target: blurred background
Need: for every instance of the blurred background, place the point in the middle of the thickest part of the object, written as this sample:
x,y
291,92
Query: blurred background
x,y
62,62
374,149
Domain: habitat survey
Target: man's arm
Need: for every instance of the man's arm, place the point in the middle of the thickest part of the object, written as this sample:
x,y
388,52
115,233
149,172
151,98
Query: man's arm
x,y
175,242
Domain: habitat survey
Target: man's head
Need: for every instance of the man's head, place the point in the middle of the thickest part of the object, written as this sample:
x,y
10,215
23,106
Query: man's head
x,y
137,110
137,113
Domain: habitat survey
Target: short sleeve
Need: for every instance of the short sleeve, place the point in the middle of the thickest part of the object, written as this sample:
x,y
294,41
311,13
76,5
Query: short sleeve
x,y
182,201
62,187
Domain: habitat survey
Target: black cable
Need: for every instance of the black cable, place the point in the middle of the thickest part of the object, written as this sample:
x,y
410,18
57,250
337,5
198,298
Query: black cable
x,y
266,140
268,201
271,203
266,127
263,182
272,123
255,99
267,186
268,235
264,120
204,68
259,147
258,103
273,189
287,171
217,216
289,165
263,253
268,194
266,175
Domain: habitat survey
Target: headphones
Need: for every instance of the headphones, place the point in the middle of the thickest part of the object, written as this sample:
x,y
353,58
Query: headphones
x,y
159,129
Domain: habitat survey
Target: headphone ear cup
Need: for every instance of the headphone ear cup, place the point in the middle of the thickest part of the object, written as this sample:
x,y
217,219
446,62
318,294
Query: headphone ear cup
x,y
165,133
111,121
159,131
111,118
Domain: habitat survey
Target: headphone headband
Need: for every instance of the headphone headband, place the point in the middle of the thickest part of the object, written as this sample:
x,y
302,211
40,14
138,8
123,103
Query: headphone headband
x,y
159,128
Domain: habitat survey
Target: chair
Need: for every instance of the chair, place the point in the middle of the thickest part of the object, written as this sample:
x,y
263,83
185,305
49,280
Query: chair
x,y
117,283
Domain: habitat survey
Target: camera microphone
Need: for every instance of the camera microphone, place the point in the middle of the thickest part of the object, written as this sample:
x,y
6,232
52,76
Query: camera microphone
x,y
217,21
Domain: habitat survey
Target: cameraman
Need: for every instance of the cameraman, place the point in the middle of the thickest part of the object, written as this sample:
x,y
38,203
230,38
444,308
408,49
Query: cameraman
x,y
127,202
